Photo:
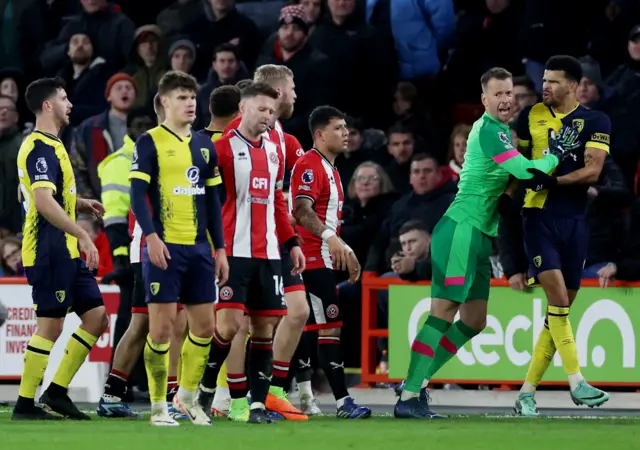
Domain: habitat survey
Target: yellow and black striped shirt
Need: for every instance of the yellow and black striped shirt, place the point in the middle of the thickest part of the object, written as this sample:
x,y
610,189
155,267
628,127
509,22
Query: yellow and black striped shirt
x,y
43,162
533,127
177,169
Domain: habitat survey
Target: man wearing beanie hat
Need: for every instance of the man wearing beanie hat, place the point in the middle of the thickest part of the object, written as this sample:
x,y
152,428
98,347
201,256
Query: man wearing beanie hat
x,y
591,90
182,55
313,71
148,62
99,136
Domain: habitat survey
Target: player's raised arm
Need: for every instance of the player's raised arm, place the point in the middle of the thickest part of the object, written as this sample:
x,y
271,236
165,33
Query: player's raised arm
x,y
497,146
143,168
595,153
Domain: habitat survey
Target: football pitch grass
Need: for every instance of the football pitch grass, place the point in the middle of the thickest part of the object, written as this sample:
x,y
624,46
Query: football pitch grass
x,y
474,432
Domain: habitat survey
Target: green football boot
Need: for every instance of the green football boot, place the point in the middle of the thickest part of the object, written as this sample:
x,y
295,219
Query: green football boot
x,y
585,394
526,405
239,410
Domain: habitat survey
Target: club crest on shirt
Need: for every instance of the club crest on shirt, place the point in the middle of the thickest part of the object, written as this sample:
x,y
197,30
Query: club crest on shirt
x,y
274,158
135,155
307,176
41,165
60,296
537,261
205,154
578,124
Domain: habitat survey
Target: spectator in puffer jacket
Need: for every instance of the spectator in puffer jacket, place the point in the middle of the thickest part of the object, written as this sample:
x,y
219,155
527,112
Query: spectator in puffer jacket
x,y
419,30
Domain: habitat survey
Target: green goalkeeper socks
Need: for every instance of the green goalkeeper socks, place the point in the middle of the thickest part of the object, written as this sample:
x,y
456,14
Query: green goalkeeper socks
x,y
455,337
423,351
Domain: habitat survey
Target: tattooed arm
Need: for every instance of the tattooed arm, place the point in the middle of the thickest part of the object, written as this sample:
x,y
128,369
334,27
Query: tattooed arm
x,y
307,217
342,255
589,174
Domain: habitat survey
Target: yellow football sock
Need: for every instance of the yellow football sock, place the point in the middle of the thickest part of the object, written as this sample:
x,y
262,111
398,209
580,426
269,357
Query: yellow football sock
x,y
560,329
543,354
194,356
36,358
156,362
222,377
80,344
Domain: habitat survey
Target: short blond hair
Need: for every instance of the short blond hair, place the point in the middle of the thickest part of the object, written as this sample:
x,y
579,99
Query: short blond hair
x,y
272,74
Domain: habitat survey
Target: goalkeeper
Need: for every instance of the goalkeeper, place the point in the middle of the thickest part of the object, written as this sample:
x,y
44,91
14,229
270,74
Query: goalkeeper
x,y
461,244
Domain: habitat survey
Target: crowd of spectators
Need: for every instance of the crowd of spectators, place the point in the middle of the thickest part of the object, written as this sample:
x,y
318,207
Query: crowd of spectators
x,y
406,72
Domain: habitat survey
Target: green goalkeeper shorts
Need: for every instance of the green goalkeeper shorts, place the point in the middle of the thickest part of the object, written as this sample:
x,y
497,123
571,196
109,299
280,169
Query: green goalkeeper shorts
x,y
460,259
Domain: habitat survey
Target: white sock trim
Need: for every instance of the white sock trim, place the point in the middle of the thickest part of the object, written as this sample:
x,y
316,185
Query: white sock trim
x,y
575,379
340,402
528,388
305,389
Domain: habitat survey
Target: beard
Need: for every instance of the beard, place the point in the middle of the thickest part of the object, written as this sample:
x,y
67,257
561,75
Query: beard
x,y
61,117
286,110
290,45
81,59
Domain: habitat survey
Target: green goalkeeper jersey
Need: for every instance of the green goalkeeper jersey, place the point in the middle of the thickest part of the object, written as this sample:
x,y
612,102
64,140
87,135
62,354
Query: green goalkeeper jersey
x,y
488,162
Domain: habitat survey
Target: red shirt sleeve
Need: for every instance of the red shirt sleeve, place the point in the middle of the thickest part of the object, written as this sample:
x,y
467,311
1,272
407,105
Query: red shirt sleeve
x,y
306,181
106,263
293,150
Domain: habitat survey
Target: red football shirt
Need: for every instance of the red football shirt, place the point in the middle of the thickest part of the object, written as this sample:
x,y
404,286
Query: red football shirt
x,y
254,214
315,178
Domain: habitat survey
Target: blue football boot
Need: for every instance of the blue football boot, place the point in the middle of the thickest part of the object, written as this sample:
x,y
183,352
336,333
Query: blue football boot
x,y
351,410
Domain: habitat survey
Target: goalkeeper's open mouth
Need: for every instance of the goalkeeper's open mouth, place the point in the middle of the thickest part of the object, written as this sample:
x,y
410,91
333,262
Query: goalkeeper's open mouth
x,y
505,110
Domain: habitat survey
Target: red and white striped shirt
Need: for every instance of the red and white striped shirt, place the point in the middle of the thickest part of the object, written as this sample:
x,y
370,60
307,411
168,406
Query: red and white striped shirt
x,y
137,239
315,178
254,215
